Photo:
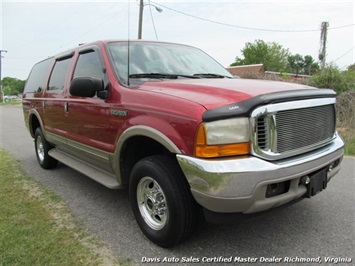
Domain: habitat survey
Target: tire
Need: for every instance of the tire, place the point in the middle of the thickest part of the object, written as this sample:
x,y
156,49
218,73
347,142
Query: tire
x,y
41,148
161,200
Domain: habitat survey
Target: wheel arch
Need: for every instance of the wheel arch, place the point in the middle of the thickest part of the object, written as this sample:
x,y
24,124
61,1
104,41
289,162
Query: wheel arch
x,y
139,142
34,122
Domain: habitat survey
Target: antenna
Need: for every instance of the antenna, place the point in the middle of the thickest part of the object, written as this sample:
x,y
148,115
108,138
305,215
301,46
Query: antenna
x,y
128,43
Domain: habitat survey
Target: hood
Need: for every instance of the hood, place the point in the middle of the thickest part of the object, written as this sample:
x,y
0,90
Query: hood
x,y
212,93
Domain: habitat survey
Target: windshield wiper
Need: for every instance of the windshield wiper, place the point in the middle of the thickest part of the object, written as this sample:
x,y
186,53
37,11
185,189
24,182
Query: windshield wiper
x,y
210,75
160,76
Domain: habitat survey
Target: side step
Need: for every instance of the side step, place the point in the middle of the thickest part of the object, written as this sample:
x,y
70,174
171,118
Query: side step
x,y
104,178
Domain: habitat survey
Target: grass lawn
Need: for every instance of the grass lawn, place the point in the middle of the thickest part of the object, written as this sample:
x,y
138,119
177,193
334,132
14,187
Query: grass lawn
x,y
348,136
36,228
11,102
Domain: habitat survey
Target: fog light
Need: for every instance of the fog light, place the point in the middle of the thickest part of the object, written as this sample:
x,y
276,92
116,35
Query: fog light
x,y
277,189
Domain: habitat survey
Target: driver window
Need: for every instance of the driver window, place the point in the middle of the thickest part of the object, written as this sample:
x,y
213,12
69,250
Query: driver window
x,y
88,65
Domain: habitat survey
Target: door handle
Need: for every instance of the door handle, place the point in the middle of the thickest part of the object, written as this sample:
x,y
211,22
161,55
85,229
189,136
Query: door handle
x,y
66,107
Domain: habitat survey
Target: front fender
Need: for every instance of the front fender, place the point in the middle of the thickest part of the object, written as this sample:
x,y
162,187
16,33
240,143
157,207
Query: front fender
x,y
170,139
174,132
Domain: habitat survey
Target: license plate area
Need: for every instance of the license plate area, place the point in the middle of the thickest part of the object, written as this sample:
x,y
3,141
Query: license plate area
x,y
318,182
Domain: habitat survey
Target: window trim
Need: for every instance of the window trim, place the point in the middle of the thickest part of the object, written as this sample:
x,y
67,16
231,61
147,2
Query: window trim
x,y
95,49
65,56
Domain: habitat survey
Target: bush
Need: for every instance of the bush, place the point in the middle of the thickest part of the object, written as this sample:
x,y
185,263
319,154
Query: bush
x,y
349,79
331,77
346,109
346,119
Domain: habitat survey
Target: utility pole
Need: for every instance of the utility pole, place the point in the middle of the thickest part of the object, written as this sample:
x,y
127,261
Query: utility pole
x,y
323,43
1,92
140,25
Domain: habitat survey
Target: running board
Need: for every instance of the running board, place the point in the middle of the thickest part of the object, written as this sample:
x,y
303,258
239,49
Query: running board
x,y
104,178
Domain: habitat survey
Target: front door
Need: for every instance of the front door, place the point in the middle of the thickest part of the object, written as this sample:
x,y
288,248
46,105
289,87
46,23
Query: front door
x,y
90,133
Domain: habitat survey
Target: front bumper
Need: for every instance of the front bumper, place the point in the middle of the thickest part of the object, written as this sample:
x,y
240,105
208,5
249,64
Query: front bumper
x,y
239,185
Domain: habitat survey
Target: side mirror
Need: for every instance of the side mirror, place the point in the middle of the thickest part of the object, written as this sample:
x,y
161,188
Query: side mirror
x,y
86,87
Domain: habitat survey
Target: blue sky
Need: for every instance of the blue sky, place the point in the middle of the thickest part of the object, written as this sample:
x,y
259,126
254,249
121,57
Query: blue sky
x,y
32,31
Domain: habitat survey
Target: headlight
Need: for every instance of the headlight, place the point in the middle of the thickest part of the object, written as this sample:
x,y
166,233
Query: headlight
x,y
223,138
234,130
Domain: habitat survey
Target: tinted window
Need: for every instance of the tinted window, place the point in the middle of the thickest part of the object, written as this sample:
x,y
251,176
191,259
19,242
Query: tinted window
x,y
89,66
59,74
37,76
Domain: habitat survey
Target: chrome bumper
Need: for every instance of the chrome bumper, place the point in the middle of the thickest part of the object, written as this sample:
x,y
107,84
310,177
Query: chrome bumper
x,y
240,184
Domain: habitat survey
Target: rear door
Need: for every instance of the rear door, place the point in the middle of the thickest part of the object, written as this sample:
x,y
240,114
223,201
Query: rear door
x,y
55,121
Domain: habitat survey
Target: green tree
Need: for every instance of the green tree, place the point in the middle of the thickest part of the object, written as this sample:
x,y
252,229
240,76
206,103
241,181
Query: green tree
x,y
296,63
302,65
278,57
310,65
272,55
6,90
13,86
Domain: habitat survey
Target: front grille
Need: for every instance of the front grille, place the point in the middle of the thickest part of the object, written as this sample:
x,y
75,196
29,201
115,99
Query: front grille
x,y
304,127
263,140
286,132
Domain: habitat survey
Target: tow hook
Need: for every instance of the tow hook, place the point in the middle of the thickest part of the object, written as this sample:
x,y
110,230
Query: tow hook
x,y
305,180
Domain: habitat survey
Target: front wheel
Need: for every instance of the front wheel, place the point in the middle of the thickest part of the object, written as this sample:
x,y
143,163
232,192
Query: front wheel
x,y
161,200
42,147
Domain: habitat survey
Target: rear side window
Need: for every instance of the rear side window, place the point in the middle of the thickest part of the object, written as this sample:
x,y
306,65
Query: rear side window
x,y
89,65
59,73
36,79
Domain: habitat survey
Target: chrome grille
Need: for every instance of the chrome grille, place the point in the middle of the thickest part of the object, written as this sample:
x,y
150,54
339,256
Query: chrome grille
x,y
288,129
304,127
262,133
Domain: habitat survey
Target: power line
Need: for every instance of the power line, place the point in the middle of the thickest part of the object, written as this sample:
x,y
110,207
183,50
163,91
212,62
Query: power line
x,y
91,29
70,15
340,27
344,54
243,27
42,35
151,15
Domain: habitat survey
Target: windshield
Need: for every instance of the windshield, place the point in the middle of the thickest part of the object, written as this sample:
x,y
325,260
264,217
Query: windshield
x,y
162,60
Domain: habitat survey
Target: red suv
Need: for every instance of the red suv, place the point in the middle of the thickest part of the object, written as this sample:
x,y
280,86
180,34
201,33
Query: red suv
x,y
173,126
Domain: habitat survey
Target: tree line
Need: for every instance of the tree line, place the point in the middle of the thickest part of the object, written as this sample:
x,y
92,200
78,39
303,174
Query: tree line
x,y
12,86
274,57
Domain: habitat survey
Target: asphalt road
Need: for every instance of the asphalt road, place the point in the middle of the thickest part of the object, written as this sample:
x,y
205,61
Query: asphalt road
x,y
323,226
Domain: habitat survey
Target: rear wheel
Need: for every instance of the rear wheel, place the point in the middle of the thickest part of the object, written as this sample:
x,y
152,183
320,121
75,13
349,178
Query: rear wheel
x,y
161,200
42,147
